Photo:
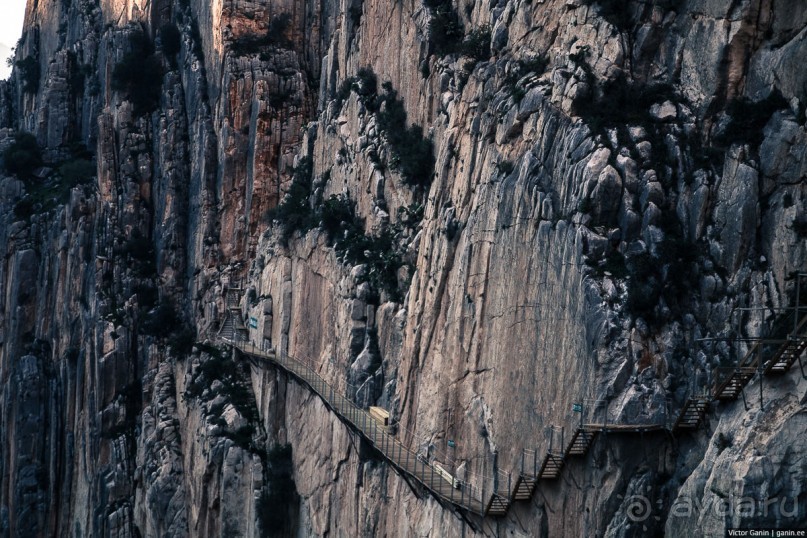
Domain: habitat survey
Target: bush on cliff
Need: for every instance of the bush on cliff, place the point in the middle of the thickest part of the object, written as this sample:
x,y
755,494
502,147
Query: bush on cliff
x,y
412,153
294,212
29,73
171,40
139,75
23,156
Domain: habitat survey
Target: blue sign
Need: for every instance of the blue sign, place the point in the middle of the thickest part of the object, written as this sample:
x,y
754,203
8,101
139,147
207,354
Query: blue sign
x,y
253,323
451,444
577,408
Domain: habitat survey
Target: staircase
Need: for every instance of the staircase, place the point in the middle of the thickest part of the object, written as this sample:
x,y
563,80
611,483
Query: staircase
x,y
524,487
581,441
232,326
455,492
551,467
773,354
691,414
731,382
789,352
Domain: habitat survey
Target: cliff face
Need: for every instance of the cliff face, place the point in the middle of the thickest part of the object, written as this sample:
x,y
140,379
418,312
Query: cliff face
x,y
472,214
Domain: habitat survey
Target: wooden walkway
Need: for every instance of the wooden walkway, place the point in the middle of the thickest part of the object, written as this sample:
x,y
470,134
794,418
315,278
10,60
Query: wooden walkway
x,y
771,356
459,494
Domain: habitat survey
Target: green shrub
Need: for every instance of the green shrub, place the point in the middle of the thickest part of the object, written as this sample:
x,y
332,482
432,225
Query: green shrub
x,y
147,296
140,251
412,153
799,226
364,83
294,212
748,119
78,74
578,57
505,167
621,102
535,64
160,321
379,253
518,71
354,14
445,29
171,40
24,209
477,44
23,156
139,75
138,247
278,29
232,375
412,214
181,339
77,172
337,215
29,73
615,265
617,12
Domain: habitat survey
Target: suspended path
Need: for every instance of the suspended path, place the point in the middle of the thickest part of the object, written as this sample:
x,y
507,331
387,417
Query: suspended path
x,y
771,355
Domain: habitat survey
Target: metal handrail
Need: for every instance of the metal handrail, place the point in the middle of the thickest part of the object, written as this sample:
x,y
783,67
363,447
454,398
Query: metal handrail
x,y
461,493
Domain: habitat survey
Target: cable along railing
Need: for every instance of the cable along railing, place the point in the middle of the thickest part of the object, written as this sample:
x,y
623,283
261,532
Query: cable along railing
x,y
493,495
482,499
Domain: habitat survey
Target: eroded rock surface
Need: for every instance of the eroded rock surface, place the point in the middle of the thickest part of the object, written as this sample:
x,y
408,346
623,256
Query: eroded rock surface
x,y
570,205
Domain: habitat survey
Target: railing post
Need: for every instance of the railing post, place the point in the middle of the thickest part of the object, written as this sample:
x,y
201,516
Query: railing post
x,y
484,481
582,410
462,493
535,463
796,309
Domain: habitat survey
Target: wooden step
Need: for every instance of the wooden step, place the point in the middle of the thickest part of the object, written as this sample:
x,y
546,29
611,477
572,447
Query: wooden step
x,y
782,361
551,467
691,414
497,506
580,443
524,488
731,387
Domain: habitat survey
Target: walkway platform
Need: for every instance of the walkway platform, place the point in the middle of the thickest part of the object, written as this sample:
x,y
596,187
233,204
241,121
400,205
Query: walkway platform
x,y
465,497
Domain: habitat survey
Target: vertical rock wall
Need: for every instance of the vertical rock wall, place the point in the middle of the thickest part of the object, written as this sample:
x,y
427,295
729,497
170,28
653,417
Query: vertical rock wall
x,y
597,207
